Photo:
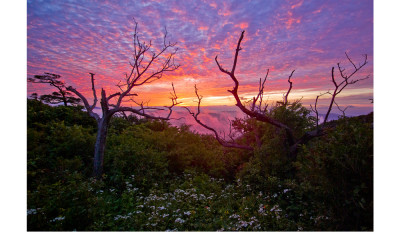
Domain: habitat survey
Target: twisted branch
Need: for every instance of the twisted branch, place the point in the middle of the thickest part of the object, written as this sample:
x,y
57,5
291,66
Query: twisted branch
x,y
219,139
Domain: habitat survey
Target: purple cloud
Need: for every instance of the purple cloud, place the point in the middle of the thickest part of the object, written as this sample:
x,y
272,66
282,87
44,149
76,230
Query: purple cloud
x,y
72,38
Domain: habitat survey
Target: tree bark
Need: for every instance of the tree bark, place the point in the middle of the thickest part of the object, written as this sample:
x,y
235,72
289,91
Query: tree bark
x,y
99,147
64,99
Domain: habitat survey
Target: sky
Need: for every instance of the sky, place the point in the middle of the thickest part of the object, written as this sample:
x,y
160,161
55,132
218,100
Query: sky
x,y
72,38
386,91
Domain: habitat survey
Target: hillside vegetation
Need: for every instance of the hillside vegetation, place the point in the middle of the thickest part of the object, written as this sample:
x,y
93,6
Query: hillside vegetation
x,y
162,178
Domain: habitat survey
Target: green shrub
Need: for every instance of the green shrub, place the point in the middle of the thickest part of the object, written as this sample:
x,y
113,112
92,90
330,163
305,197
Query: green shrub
x,y
340,165
162,178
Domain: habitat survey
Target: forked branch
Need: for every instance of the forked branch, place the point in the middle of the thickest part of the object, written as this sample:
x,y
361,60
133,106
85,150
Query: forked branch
x,y
89,108
217,136
260,96
252,113
346,80
285,100
143,60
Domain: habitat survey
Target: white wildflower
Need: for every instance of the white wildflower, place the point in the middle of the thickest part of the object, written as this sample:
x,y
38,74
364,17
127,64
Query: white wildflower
x,y
179,220
32,211
243,224
58,219
276,208
234,216
120,217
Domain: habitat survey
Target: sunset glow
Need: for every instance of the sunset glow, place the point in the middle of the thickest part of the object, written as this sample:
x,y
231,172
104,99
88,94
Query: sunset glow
x,y
200,115
73,38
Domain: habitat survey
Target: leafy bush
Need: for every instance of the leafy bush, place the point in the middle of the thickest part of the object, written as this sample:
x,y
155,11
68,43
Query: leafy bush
x,y
162,178
340,165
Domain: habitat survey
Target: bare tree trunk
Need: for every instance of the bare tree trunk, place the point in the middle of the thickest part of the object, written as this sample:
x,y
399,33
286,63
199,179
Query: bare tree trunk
x,y
99,147
62,92
65,100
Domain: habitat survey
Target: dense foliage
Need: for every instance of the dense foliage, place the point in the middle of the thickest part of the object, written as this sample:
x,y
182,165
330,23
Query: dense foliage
x,y
163,178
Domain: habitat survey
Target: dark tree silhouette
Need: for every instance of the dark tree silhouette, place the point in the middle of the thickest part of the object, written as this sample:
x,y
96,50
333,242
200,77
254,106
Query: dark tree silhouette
x,y
34,96
61,96
257,112
148,65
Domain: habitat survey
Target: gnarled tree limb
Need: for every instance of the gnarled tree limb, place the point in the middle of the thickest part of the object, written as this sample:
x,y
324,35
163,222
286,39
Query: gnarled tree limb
x,y
261,115
217,136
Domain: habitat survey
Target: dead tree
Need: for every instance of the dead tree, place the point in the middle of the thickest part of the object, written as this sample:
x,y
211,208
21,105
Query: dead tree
x,y
62,95
257,112
148,65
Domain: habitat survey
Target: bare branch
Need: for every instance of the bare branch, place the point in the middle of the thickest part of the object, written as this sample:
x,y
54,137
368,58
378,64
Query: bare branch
x,y
252,113
220,68
315,109
333,77
341,110
290,88
174,99
345,82
238,48
139,112
94,92
85,102
138,70
112,96
350,61
217,136
260,93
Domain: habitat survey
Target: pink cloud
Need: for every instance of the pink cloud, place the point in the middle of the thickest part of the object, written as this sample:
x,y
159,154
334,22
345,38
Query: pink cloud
x,y
83,37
